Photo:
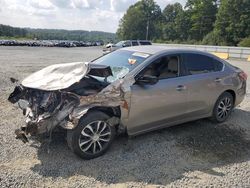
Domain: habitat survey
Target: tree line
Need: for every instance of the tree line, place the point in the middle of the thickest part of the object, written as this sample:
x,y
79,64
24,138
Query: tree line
x,y
9,31
209,22
55,34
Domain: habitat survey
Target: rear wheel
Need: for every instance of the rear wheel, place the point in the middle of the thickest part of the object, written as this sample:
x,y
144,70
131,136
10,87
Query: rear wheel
x,y
223,107
92,137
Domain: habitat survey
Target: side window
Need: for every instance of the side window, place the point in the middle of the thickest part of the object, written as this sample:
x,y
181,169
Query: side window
x,y
164,67
126,44
135,43
199,64
218,65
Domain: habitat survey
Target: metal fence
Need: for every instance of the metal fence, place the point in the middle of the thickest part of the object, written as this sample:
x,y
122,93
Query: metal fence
x,y
233,52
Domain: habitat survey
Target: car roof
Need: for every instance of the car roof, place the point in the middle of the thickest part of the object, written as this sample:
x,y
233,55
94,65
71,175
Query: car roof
x,y
155,49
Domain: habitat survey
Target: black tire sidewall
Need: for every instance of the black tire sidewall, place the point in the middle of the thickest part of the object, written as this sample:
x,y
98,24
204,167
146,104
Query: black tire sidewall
x,y
215,110
73,135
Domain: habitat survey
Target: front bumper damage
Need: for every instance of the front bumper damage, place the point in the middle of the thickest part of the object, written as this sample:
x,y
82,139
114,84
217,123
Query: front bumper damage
x,y
61,99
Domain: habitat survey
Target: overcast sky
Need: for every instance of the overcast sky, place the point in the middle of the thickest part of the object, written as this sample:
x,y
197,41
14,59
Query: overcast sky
x,y
98,15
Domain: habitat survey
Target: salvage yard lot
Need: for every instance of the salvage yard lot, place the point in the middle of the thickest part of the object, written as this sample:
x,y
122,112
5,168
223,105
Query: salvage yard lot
x,y
198,153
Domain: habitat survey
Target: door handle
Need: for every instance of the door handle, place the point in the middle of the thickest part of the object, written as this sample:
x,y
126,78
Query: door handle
x,y
181,88
217,80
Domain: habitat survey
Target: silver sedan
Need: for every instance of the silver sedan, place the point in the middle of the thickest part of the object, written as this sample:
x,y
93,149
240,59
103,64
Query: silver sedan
x,y
132,90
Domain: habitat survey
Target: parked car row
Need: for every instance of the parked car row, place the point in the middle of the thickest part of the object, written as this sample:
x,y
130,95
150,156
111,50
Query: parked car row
x,y
50,43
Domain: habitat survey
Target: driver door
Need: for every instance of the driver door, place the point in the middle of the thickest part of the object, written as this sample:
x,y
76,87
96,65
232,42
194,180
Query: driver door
x,y
155,106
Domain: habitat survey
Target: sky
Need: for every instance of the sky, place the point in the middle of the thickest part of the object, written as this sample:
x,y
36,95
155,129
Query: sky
x,y
90,15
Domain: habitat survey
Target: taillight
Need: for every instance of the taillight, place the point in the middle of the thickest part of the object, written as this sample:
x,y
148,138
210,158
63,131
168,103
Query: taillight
x,y
243,76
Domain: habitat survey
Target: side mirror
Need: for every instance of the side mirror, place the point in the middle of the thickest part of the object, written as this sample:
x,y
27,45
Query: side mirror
x,y
147,79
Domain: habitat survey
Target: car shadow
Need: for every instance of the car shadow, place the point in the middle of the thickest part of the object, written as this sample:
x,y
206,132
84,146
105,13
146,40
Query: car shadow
x,y
159,157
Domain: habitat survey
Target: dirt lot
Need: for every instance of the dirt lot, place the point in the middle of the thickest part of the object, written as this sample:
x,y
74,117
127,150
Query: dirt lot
x,y
195,154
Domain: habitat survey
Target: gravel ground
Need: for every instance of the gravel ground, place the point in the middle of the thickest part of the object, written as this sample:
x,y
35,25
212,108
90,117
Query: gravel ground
x,y
195,154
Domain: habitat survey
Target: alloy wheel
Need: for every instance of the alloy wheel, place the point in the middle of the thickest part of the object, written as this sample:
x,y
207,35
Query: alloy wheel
x,y
224,108
94,137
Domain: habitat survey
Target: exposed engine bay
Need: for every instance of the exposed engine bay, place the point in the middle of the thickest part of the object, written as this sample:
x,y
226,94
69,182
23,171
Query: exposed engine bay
x,y
59,95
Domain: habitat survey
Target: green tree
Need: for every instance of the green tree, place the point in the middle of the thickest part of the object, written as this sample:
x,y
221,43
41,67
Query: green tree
x,y
183,26
233,21
245,42
134,23
203,15
171,13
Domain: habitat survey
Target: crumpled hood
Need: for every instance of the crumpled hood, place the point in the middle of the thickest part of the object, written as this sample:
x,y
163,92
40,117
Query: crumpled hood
x,y
62,76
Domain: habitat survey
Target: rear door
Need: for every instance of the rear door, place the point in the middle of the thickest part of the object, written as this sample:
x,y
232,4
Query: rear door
x,y
204,77
153,106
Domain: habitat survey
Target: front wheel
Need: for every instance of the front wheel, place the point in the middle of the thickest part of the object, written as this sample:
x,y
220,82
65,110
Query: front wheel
x,y
92,137
223,107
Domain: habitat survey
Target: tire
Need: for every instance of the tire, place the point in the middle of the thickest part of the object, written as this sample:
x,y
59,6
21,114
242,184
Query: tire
x,y
92,136
223,108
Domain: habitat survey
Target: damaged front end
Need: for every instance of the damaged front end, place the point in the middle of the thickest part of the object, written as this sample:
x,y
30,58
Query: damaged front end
x,y
43,110
59,95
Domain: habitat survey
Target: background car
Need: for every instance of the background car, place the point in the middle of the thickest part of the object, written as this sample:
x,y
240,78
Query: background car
x,y
127,43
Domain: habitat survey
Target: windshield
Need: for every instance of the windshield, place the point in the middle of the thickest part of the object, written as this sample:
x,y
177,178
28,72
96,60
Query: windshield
x,y
121,62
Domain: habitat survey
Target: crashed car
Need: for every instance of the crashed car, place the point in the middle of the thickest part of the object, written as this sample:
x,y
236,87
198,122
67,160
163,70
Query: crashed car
x,y
132,90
